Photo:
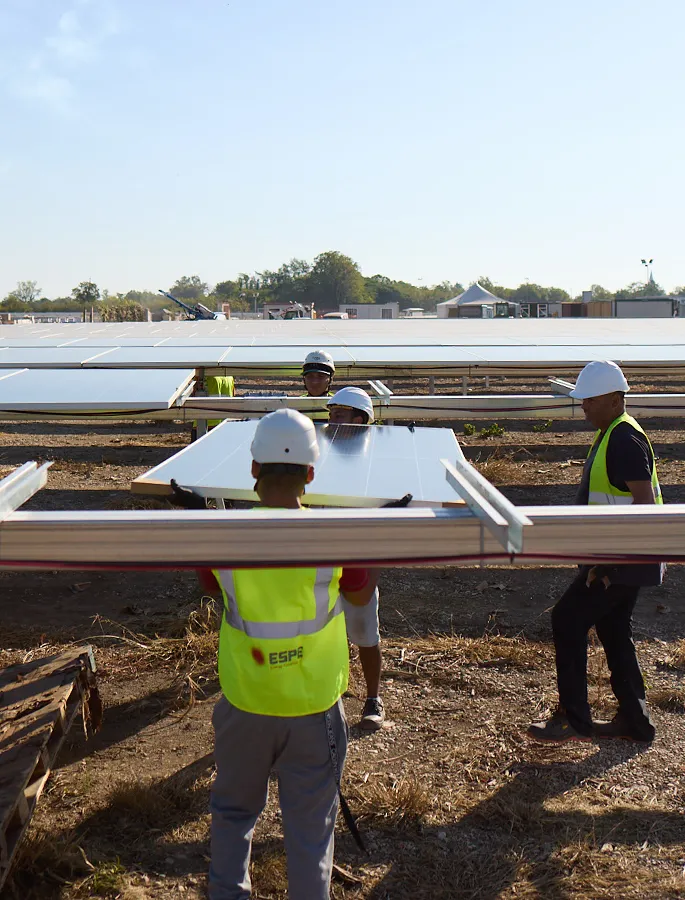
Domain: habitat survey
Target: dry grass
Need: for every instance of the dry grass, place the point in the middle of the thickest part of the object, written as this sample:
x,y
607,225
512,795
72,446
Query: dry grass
x,y
669,699
46,860
500,467
445,653
138,806
402,802
676,657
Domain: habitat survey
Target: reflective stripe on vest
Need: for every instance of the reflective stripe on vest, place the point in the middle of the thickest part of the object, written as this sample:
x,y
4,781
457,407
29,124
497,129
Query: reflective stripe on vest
x,y
601,490
282,630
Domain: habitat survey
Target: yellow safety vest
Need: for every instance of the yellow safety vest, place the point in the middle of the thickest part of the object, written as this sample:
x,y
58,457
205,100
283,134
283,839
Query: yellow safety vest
x,y
219,386
601,489
283,644
321,416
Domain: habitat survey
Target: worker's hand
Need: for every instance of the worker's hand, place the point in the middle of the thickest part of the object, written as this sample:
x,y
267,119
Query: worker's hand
x,y
398,504
595,573
186,498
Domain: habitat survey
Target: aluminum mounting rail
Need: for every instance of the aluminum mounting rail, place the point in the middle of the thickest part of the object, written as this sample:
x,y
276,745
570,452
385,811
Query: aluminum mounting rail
x,y
263,538
434,406
20,485
495,512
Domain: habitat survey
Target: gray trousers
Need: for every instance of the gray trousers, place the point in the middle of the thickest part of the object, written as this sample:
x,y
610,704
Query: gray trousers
x,y
247,748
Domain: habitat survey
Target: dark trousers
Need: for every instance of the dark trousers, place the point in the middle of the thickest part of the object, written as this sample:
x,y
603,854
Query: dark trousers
x,y
610,610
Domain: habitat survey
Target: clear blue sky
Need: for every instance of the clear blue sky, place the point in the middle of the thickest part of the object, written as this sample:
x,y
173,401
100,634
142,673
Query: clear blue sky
x,y
427,139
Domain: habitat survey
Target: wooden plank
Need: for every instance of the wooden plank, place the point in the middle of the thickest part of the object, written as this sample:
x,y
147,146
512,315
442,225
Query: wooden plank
x,y
39,701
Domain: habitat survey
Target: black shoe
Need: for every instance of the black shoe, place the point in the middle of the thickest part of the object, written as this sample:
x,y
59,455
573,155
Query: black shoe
x,y
618,729
373,714
557,730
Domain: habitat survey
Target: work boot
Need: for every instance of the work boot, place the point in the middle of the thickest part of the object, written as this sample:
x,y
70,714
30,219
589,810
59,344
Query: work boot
x,y
557,730
618,729
373,714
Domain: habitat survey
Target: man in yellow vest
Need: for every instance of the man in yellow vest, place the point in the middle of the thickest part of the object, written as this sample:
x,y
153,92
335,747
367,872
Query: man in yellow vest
x,y
620,469
283,667
353,406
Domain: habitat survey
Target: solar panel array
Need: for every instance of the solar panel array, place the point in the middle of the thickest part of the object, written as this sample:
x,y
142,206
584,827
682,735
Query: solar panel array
x,y
361,347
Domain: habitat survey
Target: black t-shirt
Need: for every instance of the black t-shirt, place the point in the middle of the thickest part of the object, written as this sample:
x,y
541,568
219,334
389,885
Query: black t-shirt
x,y
629,458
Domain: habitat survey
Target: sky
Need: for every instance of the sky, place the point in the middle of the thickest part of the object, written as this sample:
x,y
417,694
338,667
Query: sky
x,y
429,140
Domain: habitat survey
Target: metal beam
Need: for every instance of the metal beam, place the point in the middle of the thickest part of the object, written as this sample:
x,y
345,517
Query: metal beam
x,y
495,512
261,538
20,485
417,407
437,406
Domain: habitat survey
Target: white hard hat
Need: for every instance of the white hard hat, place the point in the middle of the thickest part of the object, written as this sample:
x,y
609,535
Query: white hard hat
x,y
355,398
318,361
285,436
599,377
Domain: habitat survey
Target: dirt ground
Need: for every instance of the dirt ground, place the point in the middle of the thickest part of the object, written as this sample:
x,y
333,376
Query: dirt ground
x,y
453,801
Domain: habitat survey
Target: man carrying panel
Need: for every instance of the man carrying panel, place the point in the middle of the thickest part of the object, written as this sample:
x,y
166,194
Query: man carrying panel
x,y
283,667
620,469
353,406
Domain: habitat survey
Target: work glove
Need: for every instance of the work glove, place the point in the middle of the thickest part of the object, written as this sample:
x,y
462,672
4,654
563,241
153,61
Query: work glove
x,y
186,498
399,504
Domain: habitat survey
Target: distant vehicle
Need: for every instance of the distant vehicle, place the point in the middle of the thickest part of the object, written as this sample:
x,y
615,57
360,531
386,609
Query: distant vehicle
x,y
290,311
195,312
338,315
413,312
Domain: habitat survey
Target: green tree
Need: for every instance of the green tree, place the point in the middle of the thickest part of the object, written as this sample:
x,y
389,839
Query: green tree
x,y
118,309
640,289
335,279
497,289
288,284
601,293
26,291
14,304
249,293
87,293
190,287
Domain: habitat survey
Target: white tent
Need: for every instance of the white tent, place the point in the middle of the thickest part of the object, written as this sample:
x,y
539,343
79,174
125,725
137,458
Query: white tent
x,y
473,296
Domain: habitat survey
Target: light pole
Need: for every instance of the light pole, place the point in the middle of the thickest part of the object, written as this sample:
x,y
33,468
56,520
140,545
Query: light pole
x,y
647,263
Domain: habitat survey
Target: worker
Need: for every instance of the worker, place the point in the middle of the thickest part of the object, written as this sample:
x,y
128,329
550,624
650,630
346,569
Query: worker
x,y
350,406
283,667
215,386
318,370
353,406
620,469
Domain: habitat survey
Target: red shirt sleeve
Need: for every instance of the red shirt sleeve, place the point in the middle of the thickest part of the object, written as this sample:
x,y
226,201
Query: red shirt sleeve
x,y
353,579
208,582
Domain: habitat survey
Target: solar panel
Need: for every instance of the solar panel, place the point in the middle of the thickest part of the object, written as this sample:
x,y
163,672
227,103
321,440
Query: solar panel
x,y
359,465
99,390
8,373
158,357
49,357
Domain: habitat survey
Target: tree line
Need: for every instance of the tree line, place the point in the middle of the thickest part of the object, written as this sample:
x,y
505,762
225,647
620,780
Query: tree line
x,y
330,280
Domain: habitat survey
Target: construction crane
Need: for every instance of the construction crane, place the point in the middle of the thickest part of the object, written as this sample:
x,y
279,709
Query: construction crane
x,y
196,311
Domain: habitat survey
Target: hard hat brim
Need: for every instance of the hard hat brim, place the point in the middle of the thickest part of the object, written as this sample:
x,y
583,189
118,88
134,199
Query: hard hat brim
x,y
584,395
